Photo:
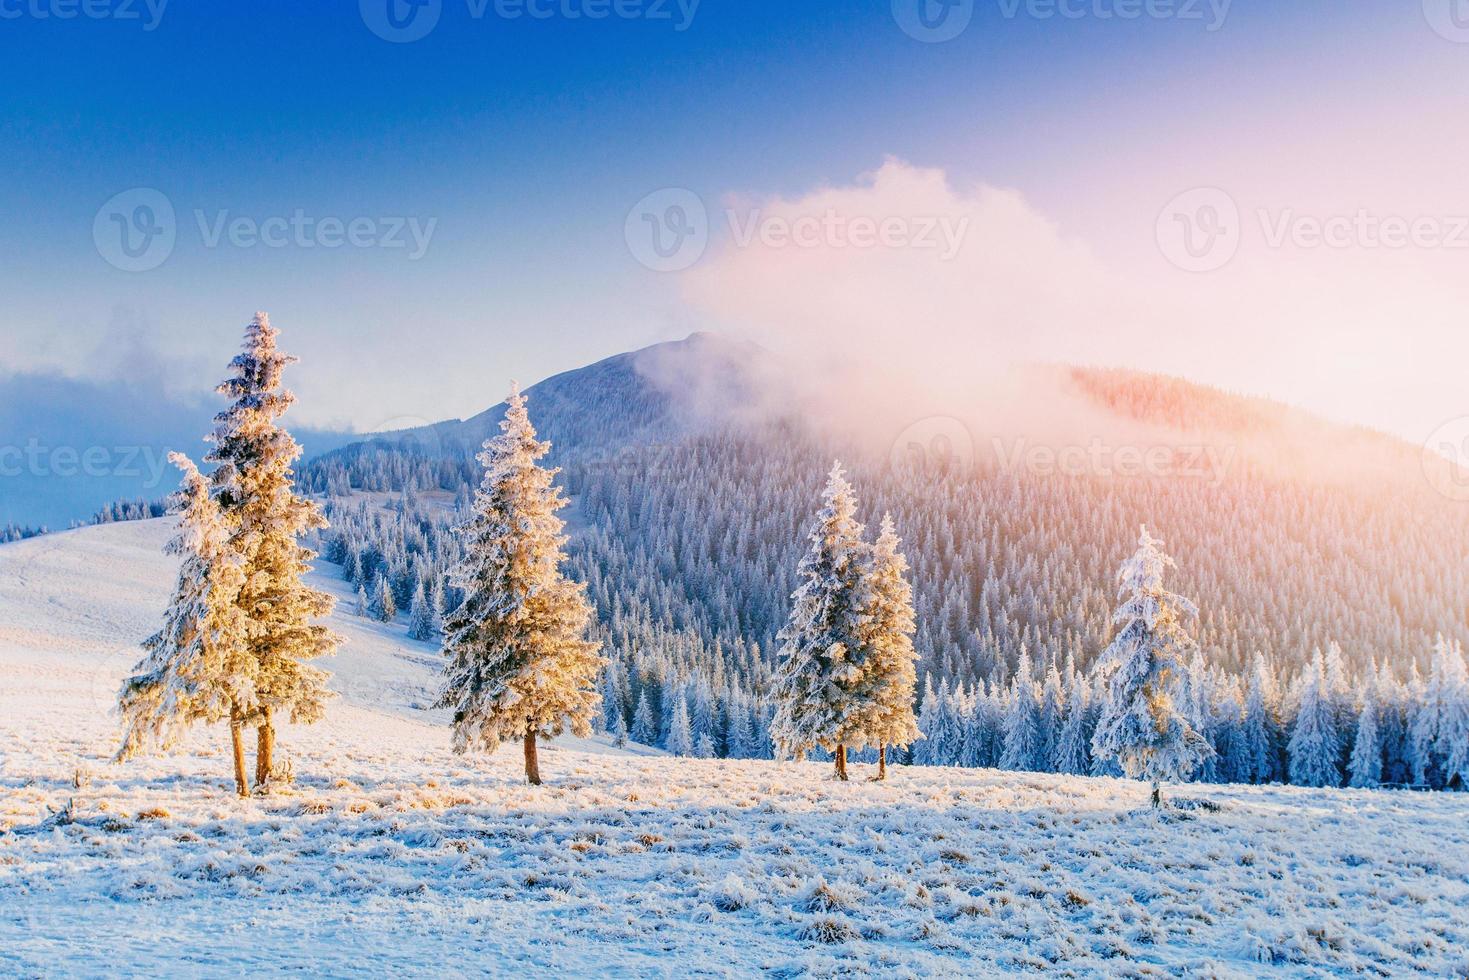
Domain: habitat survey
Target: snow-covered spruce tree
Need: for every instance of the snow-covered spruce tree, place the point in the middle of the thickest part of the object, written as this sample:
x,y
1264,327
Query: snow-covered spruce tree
x,y
253,484
680,738
885,695
1259,732
1053,707
824,641
521,665
438,606
1452,731
1423,703
1366,764
384,606
704,747
1314,739
1071,747
644,729
618,731
612,712
739,740
1139,728
198,667
1023,739
1392,726
420,617
925,752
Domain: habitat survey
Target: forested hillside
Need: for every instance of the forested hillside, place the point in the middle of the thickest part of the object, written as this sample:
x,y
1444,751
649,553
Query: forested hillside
x,y
688,536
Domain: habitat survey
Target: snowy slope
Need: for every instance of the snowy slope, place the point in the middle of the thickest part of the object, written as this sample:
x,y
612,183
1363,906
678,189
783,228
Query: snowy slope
x,y
390,854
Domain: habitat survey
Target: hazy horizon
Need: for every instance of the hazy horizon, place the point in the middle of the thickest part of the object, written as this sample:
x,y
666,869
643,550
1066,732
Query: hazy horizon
x,y
1305,261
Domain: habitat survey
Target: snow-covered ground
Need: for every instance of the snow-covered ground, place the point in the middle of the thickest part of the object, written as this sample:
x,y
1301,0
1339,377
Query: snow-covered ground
x,y
392,855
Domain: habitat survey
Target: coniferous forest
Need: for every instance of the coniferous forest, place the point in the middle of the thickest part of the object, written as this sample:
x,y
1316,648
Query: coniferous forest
x,y
689,547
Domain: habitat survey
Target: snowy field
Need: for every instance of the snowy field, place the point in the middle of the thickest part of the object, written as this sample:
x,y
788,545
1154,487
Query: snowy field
x,y
390,854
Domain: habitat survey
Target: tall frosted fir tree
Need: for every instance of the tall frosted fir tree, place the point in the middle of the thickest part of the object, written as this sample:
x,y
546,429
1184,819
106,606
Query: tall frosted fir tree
x,y
1023,739
521,665
1140,728
1315,740
824,641
1366,764
198,667
890,677
253,484
1259,729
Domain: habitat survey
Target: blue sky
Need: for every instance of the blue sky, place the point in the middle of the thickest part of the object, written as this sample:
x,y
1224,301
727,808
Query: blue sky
x,y
525,142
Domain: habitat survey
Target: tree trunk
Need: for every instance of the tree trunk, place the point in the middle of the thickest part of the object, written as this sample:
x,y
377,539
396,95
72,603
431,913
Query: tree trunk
x,y
882,763
264,749
532,761
1157,796
841,756
237,743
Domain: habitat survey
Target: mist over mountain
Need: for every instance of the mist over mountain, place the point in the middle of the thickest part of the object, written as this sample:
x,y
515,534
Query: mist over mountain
x,y
694,467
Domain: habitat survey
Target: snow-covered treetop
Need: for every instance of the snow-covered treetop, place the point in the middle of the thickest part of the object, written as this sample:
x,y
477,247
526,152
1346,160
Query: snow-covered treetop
x,y
1140,584
258,369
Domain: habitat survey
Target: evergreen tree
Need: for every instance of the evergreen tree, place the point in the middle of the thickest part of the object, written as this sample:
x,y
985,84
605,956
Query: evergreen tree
x,y
824,641
704,747
1366,765
1392,724
972,721
1139,727
1314,740
420,618
1422,727
1023,739
1452,731
253,484
520,663
1071,748
886,694
198,668
384,606
738,740
611,699
680,736
618,730
1053,707
644,729
1258,728
926,751
438,606
364,607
